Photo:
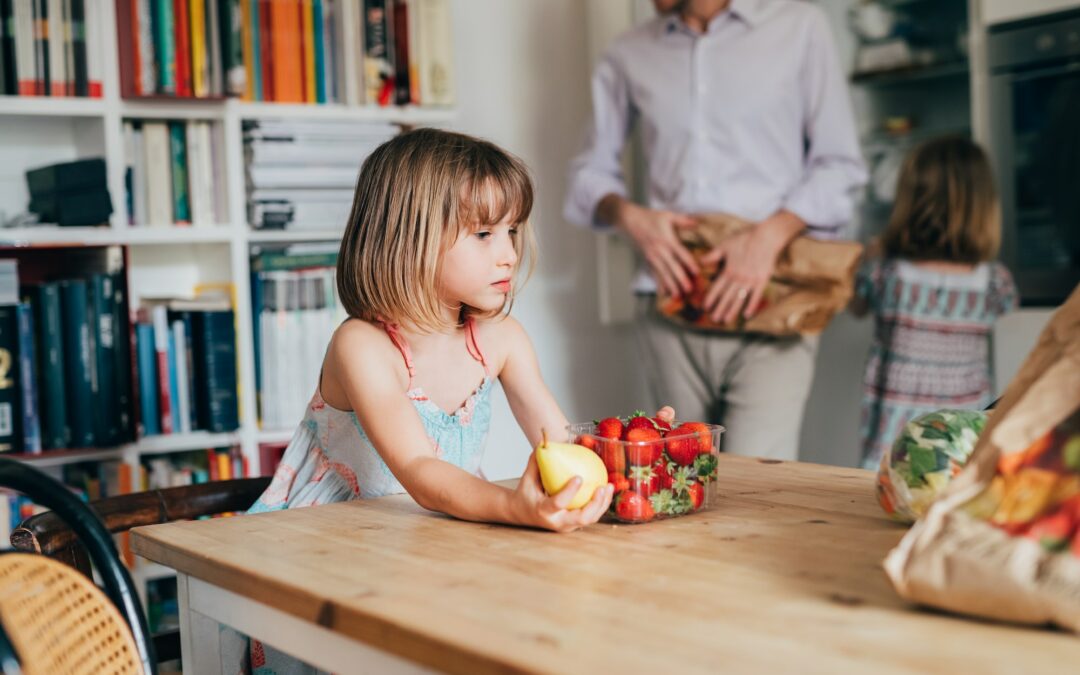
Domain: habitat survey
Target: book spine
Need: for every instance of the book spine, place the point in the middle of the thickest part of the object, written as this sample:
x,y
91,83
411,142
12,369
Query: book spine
x,y
148,384
378,70
77,361
145,27
93,36
127,46
319,42
7,47
216,366
183,47
172,377
180,187
124,336
200,85
307,50
179,366
165,45
266,51
161,351
10,395
107,428
52,385
402,86
54,35
28,369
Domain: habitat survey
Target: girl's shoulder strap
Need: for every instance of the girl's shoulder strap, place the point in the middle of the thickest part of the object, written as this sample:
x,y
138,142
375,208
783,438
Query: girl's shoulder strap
x,y
402,345
473,344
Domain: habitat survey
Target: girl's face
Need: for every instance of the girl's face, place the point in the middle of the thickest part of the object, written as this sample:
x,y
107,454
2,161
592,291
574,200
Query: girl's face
x,y
477,269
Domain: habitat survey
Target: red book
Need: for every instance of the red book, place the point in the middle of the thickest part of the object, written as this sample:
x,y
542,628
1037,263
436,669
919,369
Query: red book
x,y
183,47
266,51
127,46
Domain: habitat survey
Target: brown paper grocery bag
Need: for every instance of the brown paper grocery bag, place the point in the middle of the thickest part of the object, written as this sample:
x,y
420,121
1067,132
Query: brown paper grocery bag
x,y
992,545
813,280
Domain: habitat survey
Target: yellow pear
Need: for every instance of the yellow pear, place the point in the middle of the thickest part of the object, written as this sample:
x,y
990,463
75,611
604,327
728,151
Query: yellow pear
x,y
560,462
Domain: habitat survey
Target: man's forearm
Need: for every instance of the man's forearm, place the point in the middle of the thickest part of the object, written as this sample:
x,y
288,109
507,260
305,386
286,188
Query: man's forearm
x,y
781,227
609,209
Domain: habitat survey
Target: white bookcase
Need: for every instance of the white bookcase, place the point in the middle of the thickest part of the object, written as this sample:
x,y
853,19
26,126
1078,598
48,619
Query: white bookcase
x,y
35,131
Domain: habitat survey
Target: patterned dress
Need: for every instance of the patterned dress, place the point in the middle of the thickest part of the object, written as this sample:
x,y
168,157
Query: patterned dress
x,y
931,346
331,459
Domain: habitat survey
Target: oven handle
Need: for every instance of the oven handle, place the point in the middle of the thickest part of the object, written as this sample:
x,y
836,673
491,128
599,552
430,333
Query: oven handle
x,y
1028,75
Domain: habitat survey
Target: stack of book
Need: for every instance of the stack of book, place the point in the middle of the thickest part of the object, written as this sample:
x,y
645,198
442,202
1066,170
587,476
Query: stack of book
x,y
50,48
187,365
296,309
301,175
174,173
70,367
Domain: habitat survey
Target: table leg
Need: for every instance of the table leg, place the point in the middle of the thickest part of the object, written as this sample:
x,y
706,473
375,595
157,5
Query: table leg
x,y
200,636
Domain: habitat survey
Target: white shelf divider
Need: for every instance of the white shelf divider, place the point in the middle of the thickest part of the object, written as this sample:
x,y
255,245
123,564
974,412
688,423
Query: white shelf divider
x,y
36,106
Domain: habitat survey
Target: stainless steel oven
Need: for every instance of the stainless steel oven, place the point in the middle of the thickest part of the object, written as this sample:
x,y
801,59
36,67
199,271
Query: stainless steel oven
x,y
1035,138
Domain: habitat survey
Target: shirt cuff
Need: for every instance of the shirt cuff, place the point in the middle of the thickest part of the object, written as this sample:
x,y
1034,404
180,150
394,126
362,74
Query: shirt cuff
x,y
580,208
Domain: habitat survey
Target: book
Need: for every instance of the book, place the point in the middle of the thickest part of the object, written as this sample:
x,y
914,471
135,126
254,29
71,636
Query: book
x,y
149,413
95,70
215,371
107,416
81,76
307,50
24,32
164,41
180,374
378,63
44,299
127,49
10,394
122,353
200,62
53,28
8,68
146,55
180,188
159,181
402,85
181,25
28,369
434,40
77,362
288,71
166,403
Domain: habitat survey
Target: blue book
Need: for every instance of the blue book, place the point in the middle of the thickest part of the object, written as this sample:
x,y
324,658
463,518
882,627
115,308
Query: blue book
x,y
256,57
215,370
48,328
28,380
148,382
320,56
107,420
174,383
77,362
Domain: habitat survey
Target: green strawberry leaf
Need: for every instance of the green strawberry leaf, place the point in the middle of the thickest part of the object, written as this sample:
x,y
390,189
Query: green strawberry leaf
x,y
705,467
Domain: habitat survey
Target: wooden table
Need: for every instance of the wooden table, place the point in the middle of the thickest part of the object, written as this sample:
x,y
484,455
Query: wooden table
x,y
782,575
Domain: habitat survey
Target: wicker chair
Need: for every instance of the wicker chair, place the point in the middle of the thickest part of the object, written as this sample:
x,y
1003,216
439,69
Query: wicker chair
x,y
48,534
48,612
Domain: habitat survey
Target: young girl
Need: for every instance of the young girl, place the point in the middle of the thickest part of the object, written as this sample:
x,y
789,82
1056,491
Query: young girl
x,y
427,273
934,293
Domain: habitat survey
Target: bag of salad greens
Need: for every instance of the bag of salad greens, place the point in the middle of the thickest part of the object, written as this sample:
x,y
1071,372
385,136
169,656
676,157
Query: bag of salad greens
x,y
1004,540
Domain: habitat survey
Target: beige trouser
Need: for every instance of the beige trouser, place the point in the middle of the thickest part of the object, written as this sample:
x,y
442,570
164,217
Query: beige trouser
x,y
756,386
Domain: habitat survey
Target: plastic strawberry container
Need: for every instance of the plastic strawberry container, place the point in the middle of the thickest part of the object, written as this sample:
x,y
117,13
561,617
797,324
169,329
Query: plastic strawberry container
x,y
667,477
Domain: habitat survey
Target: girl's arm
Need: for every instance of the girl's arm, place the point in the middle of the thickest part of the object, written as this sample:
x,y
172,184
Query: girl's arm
x,y
365,365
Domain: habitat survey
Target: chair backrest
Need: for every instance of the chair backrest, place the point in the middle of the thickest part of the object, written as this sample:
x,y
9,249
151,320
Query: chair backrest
x,y
115,578
47,533
57,622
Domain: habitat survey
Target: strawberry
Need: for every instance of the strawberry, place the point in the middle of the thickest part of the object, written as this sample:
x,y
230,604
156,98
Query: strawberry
x,y
632,507
697,495
644,446
586,441
663,474
682,446
662,424
644,480
619,481
638,421
610,427
614,457
1053,532
701,430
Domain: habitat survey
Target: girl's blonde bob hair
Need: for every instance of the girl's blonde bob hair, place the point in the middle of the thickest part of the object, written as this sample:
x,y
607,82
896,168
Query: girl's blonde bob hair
x,y
416,195
946,205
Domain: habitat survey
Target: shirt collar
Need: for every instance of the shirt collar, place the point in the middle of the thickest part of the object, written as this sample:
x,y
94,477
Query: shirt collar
x,y
746,11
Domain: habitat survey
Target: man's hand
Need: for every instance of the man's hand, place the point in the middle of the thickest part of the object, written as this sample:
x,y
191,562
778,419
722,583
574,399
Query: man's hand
x,y
654,233
749,259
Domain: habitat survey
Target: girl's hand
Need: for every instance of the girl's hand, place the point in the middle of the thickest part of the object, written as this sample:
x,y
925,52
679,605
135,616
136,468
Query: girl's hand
x,y
667,413
533,507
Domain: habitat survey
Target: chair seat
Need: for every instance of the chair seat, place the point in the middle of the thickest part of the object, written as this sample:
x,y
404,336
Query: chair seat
x,y
58,621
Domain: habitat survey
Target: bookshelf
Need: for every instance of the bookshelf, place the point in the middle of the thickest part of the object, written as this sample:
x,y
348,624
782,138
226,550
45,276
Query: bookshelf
x,y
164,260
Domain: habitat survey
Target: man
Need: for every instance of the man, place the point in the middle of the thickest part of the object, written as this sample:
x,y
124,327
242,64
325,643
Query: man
x,y
743,109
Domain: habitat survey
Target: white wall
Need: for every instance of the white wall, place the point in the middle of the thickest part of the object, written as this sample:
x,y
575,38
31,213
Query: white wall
x,y
523,83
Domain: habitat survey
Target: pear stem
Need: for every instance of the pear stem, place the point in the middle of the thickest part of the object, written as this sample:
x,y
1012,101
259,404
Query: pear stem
x,y
543,437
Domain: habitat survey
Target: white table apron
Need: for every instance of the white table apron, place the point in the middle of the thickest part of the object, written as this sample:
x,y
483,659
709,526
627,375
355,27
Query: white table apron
x,y
204,606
